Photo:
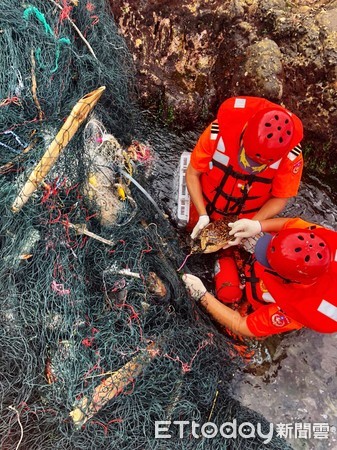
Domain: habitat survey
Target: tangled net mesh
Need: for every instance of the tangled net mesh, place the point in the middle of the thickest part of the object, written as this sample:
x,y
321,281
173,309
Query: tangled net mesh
x,y
98,337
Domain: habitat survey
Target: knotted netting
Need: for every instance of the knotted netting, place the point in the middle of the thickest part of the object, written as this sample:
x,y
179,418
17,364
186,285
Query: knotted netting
x,y
98,336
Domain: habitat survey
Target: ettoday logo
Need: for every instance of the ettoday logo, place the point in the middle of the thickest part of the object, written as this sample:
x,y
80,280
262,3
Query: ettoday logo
x,y
209,430
166,429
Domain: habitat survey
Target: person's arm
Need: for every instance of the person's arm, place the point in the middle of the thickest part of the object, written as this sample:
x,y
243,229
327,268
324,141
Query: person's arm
x,y
218,311
225,316
273,225
200,158
271,208
260,321
194,188
249,228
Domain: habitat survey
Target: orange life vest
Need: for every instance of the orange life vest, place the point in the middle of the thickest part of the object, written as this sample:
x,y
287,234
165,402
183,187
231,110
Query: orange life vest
x,y
314,306
227,188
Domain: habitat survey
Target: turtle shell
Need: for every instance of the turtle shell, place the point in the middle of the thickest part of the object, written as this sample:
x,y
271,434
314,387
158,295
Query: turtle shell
x,y
214,236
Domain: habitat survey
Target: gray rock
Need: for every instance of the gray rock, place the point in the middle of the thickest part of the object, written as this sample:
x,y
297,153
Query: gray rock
x,y
264,69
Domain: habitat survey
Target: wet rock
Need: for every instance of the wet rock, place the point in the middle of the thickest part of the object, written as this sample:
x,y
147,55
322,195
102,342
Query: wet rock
x,y
236,8
270,10
263,69
327,21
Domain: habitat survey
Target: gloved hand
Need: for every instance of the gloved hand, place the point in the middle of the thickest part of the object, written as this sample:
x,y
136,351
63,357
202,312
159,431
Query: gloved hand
x,y
236,241
202,222
195,286
245,228
249,243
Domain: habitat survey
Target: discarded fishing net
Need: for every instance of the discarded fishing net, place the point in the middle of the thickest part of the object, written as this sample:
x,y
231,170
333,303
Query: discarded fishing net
x,y
54,52
98,336
84,333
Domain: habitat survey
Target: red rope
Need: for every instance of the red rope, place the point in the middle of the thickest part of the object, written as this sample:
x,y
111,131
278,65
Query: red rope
x,y
7,101
133,316
65,13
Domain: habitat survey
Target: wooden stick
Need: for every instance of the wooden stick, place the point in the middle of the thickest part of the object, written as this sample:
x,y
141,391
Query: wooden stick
x,y
128,273
80,229
8,166
77,29
112,386
34,86
78,114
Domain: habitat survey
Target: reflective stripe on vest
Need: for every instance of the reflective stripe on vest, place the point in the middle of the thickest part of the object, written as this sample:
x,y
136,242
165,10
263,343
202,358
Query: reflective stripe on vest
x,y
328,309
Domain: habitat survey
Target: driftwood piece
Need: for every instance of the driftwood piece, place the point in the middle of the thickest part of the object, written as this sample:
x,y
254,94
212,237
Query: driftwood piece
x,y
112,386
77,116
81,229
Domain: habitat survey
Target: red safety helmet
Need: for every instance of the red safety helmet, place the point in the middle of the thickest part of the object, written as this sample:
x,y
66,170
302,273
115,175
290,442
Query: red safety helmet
x,y
299,255
268,135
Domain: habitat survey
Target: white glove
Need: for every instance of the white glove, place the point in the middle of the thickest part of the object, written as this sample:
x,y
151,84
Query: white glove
x,y
194,285
249,243
202,222
236,241
245,228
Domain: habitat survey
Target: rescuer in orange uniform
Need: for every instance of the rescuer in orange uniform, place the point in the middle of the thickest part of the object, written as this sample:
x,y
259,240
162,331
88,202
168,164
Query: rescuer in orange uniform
x,y
290,281
248,162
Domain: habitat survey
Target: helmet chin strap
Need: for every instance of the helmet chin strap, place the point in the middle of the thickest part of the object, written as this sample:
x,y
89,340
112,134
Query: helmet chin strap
x,y
247,163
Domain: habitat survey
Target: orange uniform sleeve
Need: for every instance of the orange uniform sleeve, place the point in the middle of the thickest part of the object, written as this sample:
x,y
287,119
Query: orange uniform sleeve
x,y
270,319
300,223
203,151
287,179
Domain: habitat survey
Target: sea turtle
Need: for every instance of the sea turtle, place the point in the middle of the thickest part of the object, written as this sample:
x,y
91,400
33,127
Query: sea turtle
x,y
214,236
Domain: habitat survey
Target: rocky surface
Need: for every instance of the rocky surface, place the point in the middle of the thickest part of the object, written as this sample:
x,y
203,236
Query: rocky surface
x,y
190,56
